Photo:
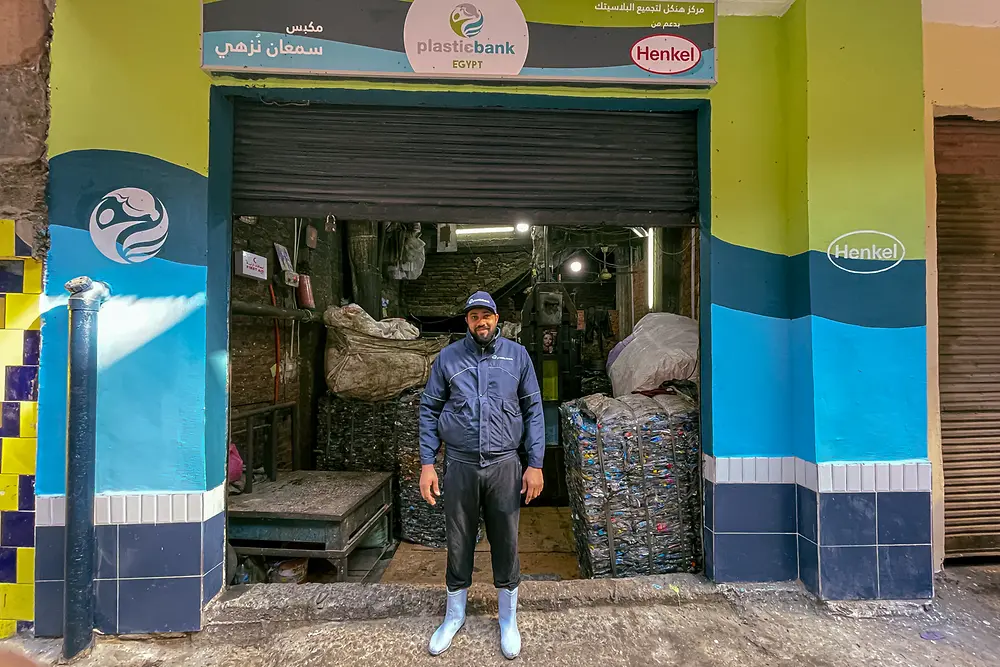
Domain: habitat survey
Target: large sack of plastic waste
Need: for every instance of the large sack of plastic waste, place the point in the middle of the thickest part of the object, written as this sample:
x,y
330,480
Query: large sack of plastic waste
x,y
663,347
633,477
368,360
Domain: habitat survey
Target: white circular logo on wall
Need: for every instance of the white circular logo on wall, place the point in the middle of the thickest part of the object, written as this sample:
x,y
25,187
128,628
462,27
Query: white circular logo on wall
x,y
129,225
451,38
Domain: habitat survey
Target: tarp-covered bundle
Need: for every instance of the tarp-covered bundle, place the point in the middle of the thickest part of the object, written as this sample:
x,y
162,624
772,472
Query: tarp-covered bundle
x,y
634,483
383,437
371,360
663,347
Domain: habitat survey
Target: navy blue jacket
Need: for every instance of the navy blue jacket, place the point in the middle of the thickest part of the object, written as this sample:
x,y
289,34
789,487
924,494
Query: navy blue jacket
x,y
482,403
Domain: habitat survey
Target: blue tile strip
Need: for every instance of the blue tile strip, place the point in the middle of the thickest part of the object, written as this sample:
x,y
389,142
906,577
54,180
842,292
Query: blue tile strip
x,y
150,577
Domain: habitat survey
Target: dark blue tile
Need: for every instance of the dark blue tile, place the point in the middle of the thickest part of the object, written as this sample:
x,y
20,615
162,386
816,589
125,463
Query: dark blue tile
x,y
21,249
159,605
809,565
11,276
904,518
10,427
808,513
32,347
760,557
8,565
49,609
215,544
709,545
848,573
846,519
25,626
17,529
709,505
22,383
163,550
26,492
906,573
50,549
755,508
106,606
213,583
107,552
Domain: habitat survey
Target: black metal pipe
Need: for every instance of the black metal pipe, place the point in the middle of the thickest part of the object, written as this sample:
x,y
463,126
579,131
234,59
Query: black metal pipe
x,y
85,301
262,310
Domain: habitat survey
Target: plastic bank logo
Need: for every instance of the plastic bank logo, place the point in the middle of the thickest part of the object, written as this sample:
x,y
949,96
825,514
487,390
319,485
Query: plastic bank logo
x,y
445,39
866,252
466,20
129,225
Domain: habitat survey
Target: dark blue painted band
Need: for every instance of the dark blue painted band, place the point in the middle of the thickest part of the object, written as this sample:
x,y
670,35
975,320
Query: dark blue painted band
x,y
79,180
784,287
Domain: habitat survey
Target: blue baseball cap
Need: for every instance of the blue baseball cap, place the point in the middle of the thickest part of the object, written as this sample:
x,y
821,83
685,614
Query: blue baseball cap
x,y
481,300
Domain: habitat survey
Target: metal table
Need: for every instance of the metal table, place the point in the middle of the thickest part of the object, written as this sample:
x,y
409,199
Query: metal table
x,y
312,514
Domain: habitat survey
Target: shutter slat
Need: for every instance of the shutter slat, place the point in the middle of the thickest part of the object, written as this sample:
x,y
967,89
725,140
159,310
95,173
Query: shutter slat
x,y
466,165
967,156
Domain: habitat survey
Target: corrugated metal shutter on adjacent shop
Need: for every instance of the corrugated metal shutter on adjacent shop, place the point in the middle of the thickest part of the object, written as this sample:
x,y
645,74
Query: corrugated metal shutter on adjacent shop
x,y
466,165
968,236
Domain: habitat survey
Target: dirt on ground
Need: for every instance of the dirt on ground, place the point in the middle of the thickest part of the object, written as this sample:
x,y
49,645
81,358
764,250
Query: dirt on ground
x,y
744,627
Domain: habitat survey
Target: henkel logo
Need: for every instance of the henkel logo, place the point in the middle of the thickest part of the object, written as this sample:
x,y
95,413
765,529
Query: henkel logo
x,y
875,252
487,38
666,54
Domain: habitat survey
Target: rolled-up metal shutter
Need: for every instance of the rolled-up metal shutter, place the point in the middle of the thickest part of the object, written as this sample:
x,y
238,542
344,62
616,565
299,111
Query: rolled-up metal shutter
x,y
968,235
466,165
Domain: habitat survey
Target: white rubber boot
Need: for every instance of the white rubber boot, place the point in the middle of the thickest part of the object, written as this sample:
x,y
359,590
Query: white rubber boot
x,y
454,619
510,637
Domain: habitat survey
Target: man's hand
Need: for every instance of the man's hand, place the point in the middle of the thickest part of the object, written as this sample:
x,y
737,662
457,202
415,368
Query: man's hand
x,y
429,488
531,484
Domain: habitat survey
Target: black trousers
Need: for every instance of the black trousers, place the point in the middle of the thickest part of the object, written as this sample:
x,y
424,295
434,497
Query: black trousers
x,y
495,493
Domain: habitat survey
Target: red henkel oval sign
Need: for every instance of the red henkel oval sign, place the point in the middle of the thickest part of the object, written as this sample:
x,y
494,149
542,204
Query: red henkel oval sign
x,y
666,54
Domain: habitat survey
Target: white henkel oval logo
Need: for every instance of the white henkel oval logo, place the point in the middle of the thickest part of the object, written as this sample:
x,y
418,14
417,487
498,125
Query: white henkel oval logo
x,y
666,54
129,225
883,249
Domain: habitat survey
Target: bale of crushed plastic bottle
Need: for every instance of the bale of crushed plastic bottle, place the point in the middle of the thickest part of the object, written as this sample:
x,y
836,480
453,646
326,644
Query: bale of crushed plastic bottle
x,y
633,474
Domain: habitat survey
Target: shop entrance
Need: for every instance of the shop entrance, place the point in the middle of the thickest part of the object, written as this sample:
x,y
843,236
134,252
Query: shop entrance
x,y
578,223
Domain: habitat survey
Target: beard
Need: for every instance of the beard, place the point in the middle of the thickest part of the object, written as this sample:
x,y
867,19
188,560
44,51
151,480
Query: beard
x,y
483,334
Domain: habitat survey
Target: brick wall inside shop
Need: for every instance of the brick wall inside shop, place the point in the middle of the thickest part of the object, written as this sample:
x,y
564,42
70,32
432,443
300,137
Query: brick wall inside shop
x,y
449,278
252,339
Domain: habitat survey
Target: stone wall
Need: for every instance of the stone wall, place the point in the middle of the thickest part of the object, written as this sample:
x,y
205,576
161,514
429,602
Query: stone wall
x,y
24,117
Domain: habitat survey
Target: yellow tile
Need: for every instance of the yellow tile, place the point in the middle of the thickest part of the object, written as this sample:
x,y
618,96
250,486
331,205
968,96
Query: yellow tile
x,y
17,602
22,311
18,456
6,238
3,309
29,419
7,629
8,492
26,565
11,347
32,276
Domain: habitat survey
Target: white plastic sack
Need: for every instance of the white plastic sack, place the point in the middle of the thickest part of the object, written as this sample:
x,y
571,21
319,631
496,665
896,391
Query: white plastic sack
x,y
354,318
662,347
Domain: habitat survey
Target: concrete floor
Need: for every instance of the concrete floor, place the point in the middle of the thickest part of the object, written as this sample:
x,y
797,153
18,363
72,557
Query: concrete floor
x,y
545,546
746,627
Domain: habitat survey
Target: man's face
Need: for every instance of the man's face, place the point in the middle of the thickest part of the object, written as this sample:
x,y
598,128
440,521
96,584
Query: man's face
x,y
482,323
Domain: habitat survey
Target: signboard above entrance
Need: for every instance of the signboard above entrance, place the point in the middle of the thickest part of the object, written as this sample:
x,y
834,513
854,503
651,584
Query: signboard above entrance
x,y
546,41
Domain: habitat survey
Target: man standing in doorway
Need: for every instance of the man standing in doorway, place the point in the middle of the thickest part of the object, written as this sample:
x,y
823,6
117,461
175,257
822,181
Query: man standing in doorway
x,y
482,400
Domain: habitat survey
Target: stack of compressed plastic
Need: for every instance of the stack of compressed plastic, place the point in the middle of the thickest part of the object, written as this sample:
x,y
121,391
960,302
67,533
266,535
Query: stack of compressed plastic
x,y
420,522
383,437
634,483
